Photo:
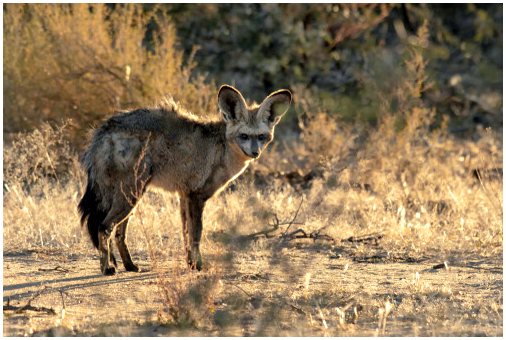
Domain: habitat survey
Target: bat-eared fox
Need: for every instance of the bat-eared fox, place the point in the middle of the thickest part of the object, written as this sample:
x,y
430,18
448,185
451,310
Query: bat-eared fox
x,y
171,149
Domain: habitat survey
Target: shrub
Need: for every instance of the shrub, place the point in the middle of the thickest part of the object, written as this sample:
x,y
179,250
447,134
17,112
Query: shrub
x,y
84,61
38,156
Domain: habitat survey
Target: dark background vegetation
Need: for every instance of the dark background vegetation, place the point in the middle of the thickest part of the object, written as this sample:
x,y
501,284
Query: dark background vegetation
x,y
85,62
349,56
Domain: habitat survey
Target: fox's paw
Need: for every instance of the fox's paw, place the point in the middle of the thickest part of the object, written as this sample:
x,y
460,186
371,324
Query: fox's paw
x,y
130,267
195,264
109,271
106,266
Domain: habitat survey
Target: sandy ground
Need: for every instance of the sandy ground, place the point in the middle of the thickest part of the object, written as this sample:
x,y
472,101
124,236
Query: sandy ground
x,y
302,288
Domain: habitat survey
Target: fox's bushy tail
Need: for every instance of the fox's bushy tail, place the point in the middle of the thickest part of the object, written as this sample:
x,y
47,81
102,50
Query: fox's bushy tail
x,y
91,213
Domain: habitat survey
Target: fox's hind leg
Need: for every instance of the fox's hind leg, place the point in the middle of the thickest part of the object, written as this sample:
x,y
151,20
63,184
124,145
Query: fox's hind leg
x,y
107,261
117,216
121,230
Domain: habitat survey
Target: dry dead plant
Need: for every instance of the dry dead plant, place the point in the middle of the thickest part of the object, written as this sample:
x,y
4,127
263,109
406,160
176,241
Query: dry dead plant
x,y
95,61
41,155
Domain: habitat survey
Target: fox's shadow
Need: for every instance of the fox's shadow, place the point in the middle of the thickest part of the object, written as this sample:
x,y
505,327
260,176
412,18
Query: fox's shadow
x,y
71,283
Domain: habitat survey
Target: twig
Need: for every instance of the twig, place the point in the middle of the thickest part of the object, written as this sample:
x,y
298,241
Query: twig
x,y
366,238
28,305
293,234
30,308
57,268
236,286
294,217
277,223
36,295
268,233
265,233
300,233
316,235
63,304
297,309
441,266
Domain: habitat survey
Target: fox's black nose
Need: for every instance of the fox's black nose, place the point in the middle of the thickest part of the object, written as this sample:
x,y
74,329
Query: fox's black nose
x,y
255,154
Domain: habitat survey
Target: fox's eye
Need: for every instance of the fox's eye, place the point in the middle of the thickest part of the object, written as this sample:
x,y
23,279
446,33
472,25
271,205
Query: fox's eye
x,y
262,138
243,136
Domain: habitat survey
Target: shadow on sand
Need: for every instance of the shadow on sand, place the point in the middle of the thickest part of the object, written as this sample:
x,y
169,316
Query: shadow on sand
x,y
75,282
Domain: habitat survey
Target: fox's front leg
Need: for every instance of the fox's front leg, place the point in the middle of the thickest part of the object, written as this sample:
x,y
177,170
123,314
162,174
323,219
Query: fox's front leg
x,y
192,206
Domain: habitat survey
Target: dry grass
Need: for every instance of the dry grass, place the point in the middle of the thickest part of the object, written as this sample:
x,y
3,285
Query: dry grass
x,y
421,196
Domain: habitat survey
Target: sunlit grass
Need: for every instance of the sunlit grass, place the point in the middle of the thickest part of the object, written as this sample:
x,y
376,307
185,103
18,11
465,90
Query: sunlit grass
x,y
425,202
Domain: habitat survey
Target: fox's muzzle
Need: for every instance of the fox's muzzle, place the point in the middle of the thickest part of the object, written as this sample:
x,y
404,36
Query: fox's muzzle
x,y
250,146
255,152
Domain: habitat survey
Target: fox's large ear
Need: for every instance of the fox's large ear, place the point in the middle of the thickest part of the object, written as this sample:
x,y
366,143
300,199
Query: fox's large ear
x,y
275,106
231,103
